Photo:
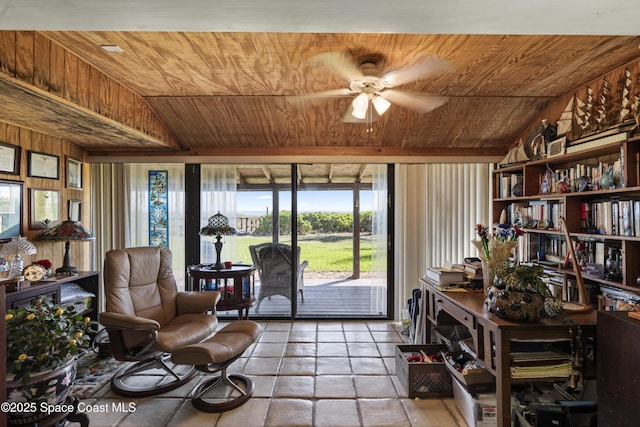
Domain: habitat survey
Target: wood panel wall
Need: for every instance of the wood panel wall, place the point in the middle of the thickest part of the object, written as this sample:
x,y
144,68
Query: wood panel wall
x,y
28,140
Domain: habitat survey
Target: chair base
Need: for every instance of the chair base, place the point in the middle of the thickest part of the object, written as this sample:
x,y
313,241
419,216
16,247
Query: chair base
x,y
151,376
223,393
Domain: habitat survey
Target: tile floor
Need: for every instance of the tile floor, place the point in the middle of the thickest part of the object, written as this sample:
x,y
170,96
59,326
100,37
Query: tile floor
x,y
321,374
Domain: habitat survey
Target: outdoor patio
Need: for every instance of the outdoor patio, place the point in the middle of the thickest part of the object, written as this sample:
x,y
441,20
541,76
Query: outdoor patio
x,y
327,298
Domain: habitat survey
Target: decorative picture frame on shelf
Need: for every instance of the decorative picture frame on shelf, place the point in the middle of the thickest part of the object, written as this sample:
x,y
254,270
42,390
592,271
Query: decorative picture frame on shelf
x,y
10,158
43,165
44,208
74,174
11,207
75,210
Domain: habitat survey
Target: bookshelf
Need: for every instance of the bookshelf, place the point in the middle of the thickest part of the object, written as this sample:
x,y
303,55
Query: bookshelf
x,y
595,186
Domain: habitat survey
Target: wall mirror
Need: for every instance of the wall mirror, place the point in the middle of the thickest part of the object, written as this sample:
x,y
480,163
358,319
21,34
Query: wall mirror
x,y
10,210
44,208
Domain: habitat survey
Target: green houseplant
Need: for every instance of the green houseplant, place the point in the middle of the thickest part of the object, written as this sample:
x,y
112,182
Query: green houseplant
x,y
43,340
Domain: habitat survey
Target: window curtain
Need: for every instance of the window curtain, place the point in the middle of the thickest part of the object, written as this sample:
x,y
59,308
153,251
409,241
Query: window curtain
x,y
108,223
379,239
218,194
437,208
136,210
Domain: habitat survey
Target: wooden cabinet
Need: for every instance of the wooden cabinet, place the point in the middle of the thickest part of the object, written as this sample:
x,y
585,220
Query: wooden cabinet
x,y
87,280
618,377
595,187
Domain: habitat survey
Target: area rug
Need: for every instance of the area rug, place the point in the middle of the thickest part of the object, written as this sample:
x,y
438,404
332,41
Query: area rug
x,y
94,371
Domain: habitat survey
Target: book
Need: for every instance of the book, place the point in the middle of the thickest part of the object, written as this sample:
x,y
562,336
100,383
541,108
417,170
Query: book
x,y
445,275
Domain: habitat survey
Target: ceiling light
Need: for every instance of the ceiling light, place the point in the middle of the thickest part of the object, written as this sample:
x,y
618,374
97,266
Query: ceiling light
x,y
361,102
111,48
359,114
381,105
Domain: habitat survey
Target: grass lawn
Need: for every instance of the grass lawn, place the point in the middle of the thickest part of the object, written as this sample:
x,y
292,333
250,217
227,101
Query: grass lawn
x,y
325,252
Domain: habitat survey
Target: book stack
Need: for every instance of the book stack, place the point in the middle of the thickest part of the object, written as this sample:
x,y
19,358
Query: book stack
x,y
445,278
540,364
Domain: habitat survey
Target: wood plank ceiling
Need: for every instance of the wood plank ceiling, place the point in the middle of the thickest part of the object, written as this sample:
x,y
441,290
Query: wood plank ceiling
x,y
231,93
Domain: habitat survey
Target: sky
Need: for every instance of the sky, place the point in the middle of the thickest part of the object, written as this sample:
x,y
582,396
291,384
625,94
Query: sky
x,y
308,201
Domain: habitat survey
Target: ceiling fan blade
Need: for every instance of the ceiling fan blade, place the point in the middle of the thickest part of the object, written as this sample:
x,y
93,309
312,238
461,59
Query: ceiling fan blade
x,y
414,101
310,97
423,69
341,62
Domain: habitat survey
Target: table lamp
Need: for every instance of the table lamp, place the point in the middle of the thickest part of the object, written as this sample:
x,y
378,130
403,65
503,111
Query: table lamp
x,y
17,248
218,225
65,232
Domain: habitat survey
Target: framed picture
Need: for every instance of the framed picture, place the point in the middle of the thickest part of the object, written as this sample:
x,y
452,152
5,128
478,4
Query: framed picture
x,y
9,158
44,208
75,210
74,173
43,165
10,210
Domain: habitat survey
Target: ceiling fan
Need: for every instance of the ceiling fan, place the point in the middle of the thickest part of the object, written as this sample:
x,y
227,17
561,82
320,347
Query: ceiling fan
x,y
376,92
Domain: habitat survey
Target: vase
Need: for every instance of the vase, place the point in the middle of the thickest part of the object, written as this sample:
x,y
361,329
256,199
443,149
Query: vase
x,y
43,388
499,253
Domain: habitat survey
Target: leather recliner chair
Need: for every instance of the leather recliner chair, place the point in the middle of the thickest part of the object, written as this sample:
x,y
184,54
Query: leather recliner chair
x,y
147,319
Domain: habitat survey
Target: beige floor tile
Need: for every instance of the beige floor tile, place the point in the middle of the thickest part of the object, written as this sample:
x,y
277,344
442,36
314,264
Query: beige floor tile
x,y
274,337
330,336
298,366
188,416
368,366
105,415
290,413
269,349
276,326
383,413
387,349
387,336
333,413
304,326
375,386
152,412
363,349
295,386
263,385
332,349
252,414
262,366
358,336
335,387
355,326
303,336
330,326
333,366
299,349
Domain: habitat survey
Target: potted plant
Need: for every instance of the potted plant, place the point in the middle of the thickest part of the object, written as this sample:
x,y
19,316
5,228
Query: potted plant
x,y
43,340
521,294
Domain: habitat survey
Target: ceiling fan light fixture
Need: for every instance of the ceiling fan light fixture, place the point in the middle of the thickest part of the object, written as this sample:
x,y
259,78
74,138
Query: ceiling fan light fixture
x,y
359,114
361,102
381,105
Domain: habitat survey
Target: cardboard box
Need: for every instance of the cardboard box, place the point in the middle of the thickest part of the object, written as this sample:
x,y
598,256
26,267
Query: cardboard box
x,y
476,380
478,410
422,379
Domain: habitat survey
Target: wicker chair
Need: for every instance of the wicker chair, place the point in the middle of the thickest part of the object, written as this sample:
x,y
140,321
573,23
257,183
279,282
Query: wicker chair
x,y
274,261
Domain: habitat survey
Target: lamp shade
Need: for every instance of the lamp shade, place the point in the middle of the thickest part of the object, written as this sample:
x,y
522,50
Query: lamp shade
x,y
218,225
65,231
17,246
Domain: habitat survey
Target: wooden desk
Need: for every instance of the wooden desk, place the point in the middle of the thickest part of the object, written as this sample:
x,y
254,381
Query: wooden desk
x,y
236,285
492,336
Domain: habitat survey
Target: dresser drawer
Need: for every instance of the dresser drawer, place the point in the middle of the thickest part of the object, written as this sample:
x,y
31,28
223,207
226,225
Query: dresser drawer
x,y
458,313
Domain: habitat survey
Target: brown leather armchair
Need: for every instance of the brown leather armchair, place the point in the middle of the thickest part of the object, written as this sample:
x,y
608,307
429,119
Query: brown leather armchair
x,y
147,319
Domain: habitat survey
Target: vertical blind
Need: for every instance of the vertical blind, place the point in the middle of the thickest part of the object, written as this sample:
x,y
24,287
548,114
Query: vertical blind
x,y
437,209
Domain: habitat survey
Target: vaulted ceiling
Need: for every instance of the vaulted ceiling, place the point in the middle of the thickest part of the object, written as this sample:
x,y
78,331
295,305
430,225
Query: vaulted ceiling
x,y
233,90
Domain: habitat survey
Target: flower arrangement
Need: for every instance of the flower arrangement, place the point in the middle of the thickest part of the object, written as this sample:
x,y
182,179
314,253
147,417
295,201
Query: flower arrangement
x,y
489,243
45,263
43,336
